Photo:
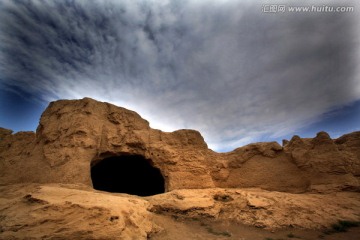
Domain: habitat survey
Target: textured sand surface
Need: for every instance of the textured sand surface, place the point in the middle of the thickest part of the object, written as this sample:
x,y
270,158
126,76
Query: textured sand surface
x,y
61,211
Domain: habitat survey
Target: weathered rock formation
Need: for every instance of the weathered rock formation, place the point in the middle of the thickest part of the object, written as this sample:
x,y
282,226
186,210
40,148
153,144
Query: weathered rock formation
x,y
47,180
76,135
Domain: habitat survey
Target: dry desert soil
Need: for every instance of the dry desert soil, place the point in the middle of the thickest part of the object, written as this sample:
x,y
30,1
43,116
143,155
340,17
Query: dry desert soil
x,y
65,211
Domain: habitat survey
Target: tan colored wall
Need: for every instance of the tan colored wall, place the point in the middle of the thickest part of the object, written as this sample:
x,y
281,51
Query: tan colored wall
x,y
74,133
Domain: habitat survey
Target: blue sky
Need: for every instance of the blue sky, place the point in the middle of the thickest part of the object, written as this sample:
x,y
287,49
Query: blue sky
x,y
225,68
18,111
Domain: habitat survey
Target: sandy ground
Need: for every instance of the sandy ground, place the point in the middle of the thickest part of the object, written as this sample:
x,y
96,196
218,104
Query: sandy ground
x,y
59,211
179,229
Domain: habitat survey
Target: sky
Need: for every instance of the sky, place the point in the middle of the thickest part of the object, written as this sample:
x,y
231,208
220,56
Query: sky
x,y
227,68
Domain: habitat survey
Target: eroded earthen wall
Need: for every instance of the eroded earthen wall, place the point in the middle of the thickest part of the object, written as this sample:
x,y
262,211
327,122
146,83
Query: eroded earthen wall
x,y
73,134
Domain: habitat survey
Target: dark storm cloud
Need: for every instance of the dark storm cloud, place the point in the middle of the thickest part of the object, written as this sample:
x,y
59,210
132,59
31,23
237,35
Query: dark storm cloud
x,y
222,67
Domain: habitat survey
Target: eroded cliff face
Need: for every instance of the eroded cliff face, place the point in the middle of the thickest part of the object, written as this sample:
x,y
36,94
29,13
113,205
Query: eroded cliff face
x,y
75,135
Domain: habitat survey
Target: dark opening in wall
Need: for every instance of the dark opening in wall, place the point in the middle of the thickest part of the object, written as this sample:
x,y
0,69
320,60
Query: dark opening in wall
x,y
132,174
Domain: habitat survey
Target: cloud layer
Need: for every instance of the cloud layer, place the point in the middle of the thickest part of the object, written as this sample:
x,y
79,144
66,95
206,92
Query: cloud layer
x,y
221,67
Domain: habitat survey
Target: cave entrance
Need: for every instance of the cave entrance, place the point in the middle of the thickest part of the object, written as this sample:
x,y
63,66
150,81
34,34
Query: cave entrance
x,y
132,174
